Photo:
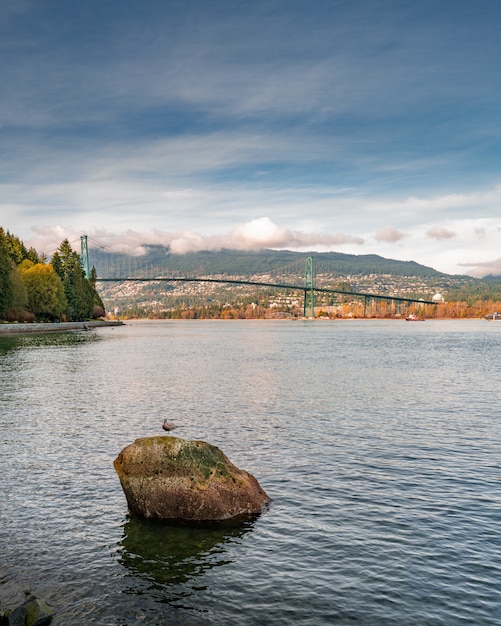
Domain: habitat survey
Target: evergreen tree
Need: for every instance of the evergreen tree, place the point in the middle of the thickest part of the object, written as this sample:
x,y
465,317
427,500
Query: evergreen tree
x,y
97,298
80,292
6,287
17,250
61,259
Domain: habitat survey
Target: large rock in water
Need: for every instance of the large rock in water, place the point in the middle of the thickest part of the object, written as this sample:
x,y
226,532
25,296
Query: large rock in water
x,y
175,479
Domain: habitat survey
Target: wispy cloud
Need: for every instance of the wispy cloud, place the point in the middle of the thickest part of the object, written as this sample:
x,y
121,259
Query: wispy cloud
x,y
440,233
186,123
484,268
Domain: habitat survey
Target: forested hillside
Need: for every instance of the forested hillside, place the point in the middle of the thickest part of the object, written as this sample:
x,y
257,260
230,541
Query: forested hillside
x,y
238,263
33,289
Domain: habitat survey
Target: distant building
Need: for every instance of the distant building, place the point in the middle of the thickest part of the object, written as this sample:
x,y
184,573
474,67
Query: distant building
x,y
438,297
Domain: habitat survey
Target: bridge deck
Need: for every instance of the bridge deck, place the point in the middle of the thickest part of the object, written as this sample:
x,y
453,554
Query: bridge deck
x,y
304,288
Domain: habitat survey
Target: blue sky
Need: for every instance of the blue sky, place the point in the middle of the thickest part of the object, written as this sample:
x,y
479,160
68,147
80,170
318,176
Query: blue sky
x,y
357,126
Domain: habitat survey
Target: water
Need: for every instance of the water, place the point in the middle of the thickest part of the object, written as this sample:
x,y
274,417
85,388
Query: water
x,y
378,441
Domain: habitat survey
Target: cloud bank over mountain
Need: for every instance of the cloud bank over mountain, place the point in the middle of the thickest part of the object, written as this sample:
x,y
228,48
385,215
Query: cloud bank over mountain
x,y
263,233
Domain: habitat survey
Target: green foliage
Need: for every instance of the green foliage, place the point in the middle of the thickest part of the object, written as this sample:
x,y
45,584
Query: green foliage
x,y
13,297
80,292
48,291
63,260
17,250
46,297
233,262
19,302
477,290
492,280
6,286
97,302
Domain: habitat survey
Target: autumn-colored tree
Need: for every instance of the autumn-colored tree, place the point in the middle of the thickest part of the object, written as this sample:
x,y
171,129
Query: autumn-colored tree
x,y
46,297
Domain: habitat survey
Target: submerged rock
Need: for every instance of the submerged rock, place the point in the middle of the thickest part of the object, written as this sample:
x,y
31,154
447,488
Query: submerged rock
x,y
174,479
17,617
34,612
37,613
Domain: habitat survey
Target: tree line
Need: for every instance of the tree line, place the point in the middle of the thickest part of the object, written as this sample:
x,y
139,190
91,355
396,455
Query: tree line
x,y
35,289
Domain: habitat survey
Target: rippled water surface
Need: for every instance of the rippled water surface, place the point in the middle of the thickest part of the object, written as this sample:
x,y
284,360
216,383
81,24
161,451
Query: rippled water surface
x,y
379,443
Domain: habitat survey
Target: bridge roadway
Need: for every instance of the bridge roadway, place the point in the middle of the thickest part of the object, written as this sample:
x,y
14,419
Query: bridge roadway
x,y
305,288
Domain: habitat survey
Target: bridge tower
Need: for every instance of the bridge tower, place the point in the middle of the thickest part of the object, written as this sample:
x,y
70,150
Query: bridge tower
x,y
84,255
309,288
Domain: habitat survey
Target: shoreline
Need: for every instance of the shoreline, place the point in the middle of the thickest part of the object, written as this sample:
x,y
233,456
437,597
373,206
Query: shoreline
x,y
54,327
133,320
7,329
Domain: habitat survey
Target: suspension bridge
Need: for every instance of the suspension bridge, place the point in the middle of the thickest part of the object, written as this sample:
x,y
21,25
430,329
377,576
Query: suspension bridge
x,y
131,270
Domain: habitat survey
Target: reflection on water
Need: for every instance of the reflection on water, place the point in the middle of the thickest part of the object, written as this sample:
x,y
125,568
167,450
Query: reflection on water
x,y
381,455
9,343
46,340
167,554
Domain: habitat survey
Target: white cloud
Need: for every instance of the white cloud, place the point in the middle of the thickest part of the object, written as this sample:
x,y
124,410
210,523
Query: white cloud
x,y
440,233
263,233
389,234
253,235
198,216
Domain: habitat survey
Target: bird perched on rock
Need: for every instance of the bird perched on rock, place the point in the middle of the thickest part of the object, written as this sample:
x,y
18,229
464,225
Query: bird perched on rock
x,y
168,425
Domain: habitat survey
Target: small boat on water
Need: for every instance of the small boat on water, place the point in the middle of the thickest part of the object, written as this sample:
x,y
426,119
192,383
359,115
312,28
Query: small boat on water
x,y
493,317
414,318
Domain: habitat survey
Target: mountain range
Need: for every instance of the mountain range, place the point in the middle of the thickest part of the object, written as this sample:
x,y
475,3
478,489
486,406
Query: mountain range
x,y
238,263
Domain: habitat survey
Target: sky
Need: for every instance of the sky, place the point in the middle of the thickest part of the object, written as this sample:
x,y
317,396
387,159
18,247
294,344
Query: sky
x,y
359,126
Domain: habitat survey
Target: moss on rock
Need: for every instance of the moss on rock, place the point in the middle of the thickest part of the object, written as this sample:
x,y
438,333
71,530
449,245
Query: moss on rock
x,y
38,613
171,478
